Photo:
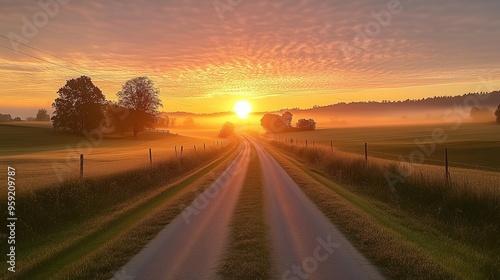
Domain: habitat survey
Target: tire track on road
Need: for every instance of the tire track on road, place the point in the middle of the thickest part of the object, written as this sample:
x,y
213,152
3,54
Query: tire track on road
x,y
306,245
192,245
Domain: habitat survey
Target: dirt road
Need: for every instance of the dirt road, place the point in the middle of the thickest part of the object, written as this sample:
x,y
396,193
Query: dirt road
x,y
192,245
305,244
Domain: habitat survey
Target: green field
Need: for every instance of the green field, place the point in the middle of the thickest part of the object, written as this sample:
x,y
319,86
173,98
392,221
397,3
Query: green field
x,y
469,144
43,156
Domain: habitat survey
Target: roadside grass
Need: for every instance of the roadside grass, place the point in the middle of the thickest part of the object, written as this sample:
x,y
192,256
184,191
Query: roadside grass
x,y
470,197
63,225
408,233
249,252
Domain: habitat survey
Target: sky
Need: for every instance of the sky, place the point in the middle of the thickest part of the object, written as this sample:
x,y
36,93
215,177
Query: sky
x,y
205,55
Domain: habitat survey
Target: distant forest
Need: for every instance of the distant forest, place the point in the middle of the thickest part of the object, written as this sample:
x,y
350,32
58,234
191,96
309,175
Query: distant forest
x,y
490,100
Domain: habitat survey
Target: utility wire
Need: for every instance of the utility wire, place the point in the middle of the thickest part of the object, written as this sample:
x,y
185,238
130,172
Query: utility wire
x,y
50,62
66,67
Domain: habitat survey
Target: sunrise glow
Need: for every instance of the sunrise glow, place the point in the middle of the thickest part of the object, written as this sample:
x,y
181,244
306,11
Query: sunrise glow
x,y
242,109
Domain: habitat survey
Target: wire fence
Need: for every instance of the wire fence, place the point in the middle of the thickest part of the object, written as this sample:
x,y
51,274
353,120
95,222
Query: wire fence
x,y
368,151
149,154
51,167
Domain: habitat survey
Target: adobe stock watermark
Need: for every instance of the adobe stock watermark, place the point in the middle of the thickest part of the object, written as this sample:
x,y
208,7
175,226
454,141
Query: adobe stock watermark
x,y
310,264
223,6
371,29
455,117
31,26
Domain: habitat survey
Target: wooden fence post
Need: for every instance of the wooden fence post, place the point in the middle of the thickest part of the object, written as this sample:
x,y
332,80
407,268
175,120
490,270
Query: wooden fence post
x,y
175,149
150,158
366,152
204,147
194,148
81,166
446,168
306,143
182,150
331,145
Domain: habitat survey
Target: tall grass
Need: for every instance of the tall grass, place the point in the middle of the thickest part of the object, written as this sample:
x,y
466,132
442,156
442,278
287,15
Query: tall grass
x,y
51,209
468,205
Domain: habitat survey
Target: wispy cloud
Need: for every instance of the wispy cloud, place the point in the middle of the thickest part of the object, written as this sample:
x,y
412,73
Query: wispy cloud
x,y
260,48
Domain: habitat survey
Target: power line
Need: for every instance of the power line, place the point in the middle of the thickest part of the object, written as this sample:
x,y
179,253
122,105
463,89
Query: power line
x,y
30,47
53,63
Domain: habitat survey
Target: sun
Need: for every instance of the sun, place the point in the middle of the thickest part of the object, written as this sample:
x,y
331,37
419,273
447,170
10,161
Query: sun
x,y
242,109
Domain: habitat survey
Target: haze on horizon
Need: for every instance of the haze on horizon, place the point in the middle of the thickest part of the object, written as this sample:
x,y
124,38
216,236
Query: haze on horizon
x,y
276,55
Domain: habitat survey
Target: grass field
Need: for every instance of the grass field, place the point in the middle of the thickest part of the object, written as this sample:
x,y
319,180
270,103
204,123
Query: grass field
x,y
38,151
475,144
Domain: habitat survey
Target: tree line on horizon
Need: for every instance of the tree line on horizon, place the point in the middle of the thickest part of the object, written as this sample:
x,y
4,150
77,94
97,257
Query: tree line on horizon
x,y
41,116
477,113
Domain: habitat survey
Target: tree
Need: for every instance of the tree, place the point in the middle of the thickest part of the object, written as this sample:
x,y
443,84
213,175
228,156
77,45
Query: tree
x,y
287,119
141,97
497,114
188,122
79,106
42,115
272,123
304,124
164,121
226,130
480,114
117,118
172,122
5,118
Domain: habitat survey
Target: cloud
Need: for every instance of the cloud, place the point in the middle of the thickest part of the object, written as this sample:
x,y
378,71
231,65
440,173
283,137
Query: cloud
x,y
294,47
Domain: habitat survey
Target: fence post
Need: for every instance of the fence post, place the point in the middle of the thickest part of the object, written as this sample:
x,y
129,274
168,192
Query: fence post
x,y
331,145
204,147
81,166
306,143
150,158
194,148
182,150
175,149
446,168
366,152
313,143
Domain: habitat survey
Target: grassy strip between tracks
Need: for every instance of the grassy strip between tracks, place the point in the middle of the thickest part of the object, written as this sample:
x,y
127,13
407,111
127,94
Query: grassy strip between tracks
x,y
100,252
400,245
249,252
